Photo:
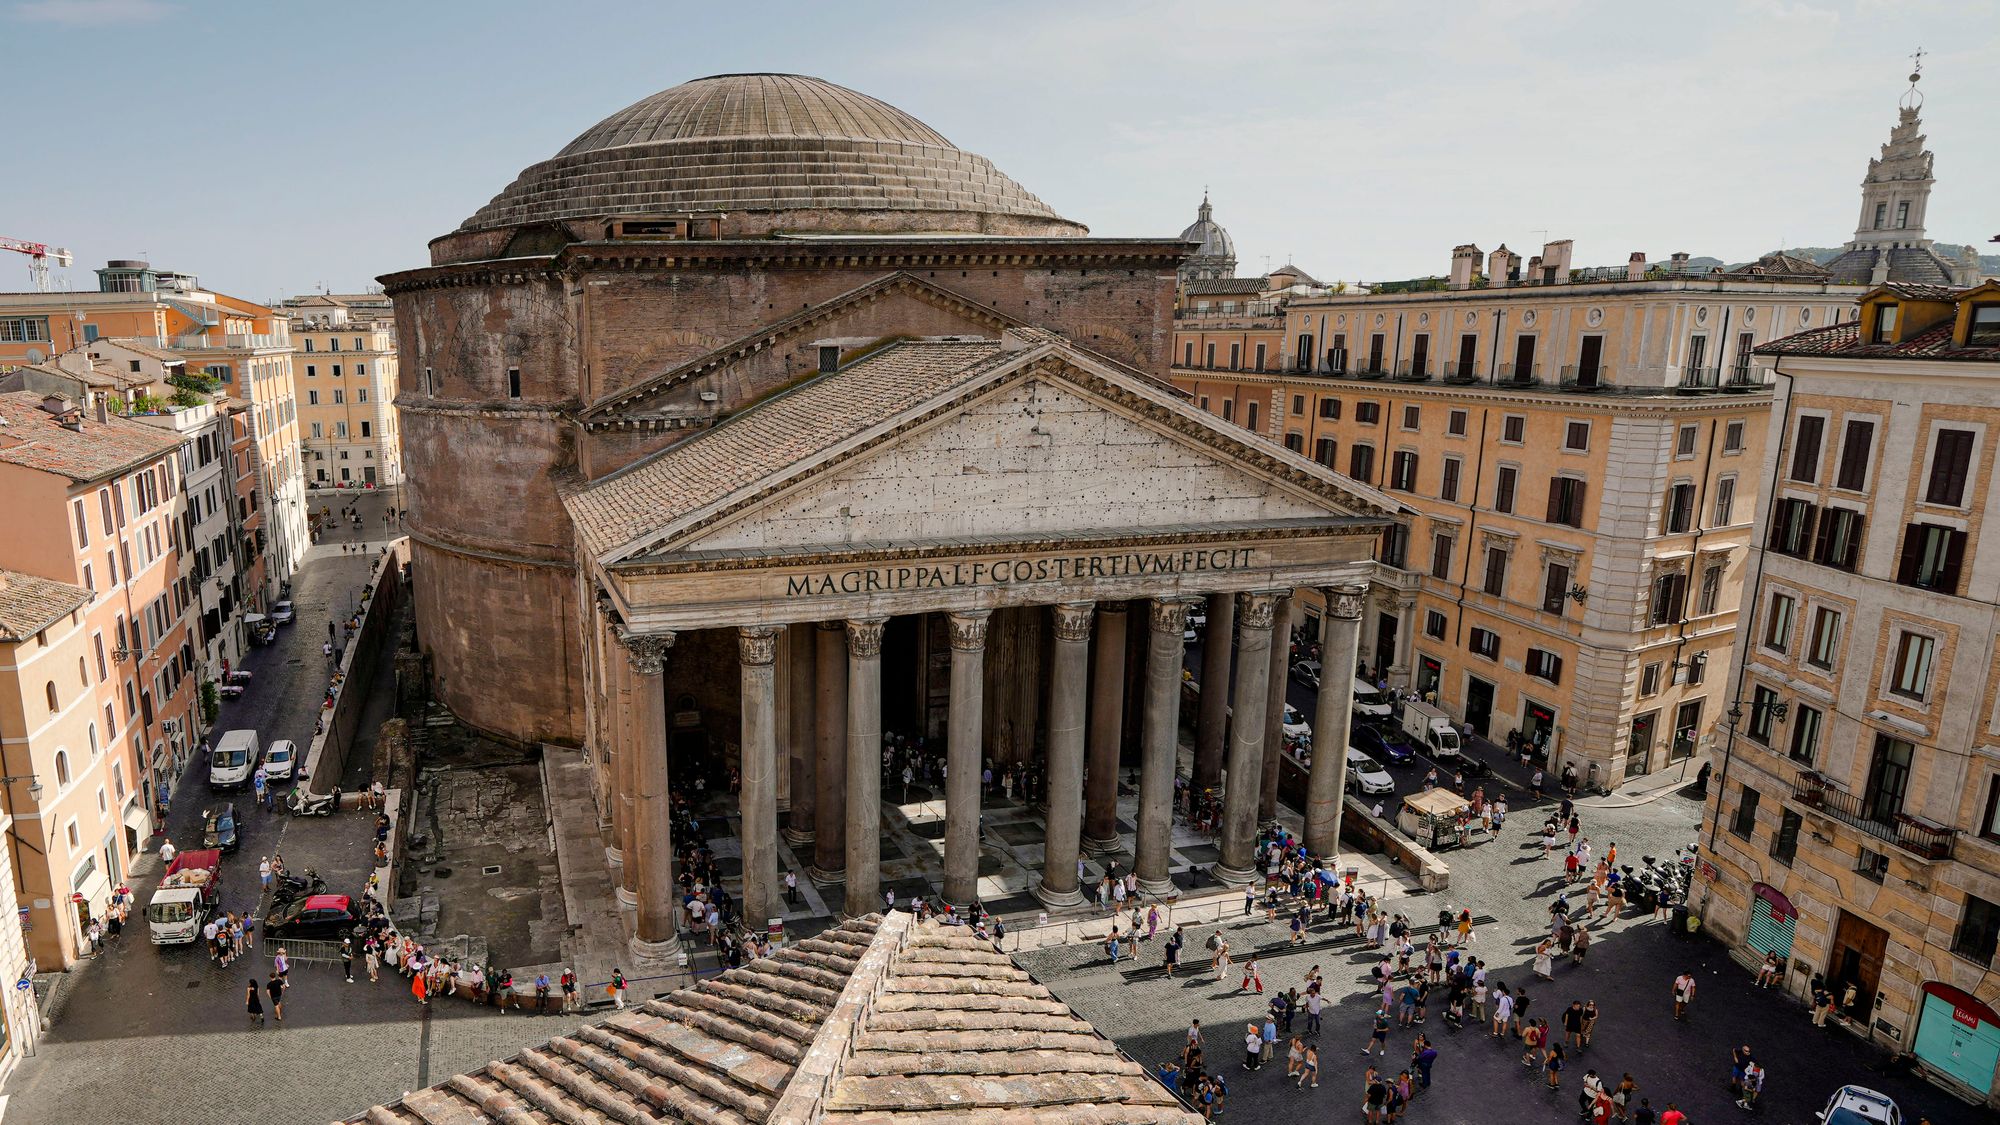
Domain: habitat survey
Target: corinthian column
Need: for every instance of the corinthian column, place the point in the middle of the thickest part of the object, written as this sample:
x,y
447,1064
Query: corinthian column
x,y
830,767
963,751
1107,730
757,647
652,814
1274,707
1067,674
1246,742
864,764
1218,643
1340,635
1160,745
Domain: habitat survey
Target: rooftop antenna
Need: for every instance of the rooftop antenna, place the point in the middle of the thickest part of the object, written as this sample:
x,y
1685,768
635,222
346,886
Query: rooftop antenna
x,y
1913,98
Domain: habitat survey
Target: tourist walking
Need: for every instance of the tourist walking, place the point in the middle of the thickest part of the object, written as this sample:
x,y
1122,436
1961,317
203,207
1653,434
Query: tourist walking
x,y
1683,994
254,1003
276,988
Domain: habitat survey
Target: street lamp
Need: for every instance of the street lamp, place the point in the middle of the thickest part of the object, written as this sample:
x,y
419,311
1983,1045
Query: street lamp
x,y
34,787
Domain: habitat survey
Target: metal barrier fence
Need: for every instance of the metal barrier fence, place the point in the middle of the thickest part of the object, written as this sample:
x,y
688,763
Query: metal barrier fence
x,y
298,950
1217,908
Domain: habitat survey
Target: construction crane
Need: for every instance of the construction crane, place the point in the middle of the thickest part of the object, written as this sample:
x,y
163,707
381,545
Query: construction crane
x,y
38,254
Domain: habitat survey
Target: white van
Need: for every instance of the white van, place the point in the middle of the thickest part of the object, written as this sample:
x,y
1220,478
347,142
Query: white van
x,y
1368,702
234,757
1432,728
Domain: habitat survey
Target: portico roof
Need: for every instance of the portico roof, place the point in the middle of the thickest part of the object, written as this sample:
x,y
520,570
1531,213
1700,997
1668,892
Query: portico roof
x,y
690,492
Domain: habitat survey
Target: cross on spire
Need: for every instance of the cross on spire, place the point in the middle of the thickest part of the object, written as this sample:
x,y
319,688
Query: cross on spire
x,y
1912,99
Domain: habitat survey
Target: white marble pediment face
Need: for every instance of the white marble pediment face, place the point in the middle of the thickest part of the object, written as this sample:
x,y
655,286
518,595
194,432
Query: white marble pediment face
x,y
1040,455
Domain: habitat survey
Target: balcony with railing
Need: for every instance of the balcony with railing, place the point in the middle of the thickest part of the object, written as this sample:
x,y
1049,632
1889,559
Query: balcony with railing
x,y
1461,373
1585,377
1912,834
1520,374
1410,371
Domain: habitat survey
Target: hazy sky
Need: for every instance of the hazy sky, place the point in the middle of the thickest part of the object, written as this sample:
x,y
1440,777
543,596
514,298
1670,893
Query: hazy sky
x,y
273,146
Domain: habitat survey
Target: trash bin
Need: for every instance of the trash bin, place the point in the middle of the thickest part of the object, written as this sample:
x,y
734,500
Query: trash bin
x,y
1681,927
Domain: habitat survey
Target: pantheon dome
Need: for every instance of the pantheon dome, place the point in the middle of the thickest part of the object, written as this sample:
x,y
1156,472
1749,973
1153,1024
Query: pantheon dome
x,y
775,152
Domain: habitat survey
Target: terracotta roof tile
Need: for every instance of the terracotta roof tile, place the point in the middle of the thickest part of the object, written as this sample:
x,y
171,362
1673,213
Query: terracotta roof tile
x,y
1844,340
29,604
32,438
768,436
718,1053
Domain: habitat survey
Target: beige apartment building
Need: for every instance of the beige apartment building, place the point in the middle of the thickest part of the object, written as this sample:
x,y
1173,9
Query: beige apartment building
x,y
1855,828
1580,450
345,370
99,701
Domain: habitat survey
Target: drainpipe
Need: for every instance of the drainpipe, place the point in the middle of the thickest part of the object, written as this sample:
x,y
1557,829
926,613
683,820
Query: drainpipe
x,y
1471,526
1749,629
1493,360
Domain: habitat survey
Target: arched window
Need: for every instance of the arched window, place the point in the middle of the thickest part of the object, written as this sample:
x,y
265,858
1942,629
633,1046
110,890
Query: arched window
x,y
62,767
93,740
54,704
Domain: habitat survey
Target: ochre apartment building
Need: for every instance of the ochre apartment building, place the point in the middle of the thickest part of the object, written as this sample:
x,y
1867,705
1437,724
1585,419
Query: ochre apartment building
x,y
345,371
1855,827
100,696
1580,450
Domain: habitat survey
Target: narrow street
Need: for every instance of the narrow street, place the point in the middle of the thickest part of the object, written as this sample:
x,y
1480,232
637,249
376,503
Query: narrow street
x,y
159,1033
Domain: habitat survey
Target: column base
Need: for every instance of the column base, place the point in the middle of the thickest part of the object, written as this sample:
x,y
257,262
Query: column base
x,y
667,952
1093,845
627,899
614,858
1158,888
797,837
1233,876
823,878
1058,900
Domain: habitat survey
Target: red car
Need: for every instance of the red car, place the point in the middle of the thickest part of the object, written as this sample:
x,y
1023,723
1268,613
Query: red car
x,y
328,917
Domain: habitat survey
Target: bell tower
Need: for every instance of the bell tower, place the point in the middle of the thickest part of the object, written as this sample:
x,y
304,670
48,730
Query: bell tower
x,y
1898,185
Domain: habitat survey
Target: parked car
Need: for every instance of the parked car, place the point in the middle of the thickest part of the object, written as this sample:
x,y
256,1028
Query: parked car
x,y
1383,744
1198,618
282,613
281,759
218,828
1366,775
327,917
1295,725
1858,1105
1307,673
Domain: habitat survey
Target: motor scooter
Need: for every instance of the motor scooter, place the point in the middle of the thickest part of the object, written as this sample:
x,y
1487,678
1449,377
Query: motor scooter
x,y
303,803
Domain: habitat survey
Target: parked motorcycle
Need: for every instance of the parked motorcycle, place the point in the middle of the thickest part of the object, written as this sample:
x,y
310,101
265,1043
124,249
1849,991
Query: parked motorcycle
x,y
285,888
303,803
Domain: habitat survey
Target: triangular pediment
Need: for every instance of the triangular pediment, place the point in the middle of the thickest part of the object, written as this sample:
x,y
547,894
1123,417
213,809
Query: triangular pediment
x,y
899,304
1040,440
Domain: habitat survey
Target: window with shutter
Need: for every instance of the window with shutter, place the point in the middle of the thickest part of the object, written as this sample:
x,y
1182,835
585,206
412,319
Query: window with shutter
x,y
1448,487
1566,501
1555,587
1441,550
1932,557
1324,451
1496,571
1855,450
1950,463
1361,463
1806,448
1838,542
1792,527
1503,488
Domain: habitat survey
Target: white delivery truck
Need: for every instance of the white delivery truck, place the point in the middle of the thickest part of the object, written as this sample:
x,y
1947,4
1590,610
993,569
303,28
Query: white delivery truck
x,y
186,899
1431,728
234,757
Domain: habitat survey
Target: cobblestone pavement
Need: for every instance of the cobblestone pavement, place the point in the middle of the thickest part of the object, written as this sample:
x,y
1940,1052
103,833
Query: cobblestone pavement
x,y
1629,972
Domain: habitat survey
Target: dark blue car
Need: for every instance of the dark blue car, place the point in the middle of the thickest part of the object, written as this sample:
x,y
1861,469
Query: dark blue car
x,y
1383,745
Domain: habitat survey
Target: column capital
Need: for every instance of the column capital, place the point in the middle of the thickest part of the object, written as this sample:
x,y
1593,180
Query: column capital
x,y
832,626
1073,620
647,651
757,645
1257,609
1168,615
1345,601
968,630
864,636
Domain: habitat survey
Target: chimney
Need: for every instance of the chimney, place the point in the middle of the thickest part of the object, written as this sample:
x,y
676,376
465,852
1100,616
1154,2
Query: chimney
x,y
1534,274
1555,261
1635,266
1500,267
55,404
1464,263
103,411
1679,262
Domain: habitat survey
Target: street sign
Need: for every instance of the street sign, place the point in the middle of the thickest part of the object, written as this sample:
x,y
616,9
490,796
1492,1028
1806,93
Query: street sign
x,y
77,897
23,985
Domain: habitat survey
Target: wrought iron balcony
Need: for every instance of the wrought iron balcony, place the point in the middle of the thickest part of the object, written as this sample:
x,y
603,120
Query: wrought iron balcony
x,y
1578,377
1520,374
1912,834
1461,372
